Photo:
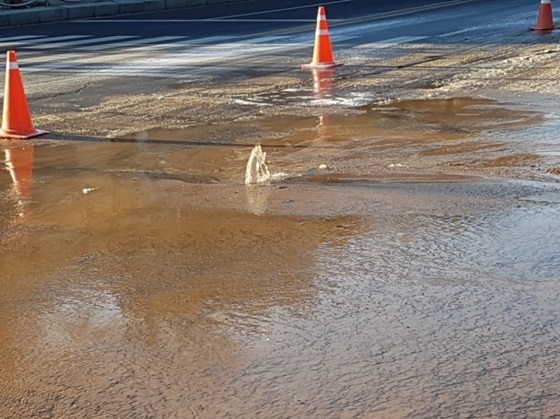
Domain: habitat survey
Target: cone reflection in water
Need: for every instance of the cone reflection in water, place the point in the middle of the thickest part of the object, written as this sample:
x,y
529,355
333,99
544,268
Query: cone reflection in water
x,y
322,52
322,128
322,82
19,163
544,20
16,119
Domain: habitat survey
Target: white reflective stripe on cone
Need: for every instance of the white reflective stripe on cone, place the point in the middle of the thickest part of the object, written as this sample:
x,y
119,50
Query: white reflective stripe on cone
x,y
322,32
11,66
545,1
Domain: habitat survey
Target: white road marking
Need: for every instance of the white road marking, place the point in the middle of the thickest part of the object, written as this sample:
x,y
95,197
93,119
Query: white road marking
x,y
199,41
61,38
137,42
81,42
261,40
342,38
172,46
19,38
80,57
287,9
176,55
221,20
455,33
143,63
25,43
230,18
391,42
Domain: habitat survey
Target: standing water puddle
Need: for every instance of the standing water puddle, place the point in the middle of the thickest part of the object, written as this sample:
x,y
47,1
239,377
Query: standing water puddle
x,y
140,277
402,140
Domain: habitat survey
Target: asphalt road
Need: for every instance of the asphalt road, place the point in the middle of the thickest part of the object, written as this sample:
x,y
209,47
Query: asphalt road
x,y
249,39
373,21
377,276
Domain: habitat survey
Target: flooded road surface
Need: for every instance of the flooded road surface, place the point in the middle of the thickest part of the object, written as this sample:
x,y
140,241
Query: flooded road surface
x,y
141,278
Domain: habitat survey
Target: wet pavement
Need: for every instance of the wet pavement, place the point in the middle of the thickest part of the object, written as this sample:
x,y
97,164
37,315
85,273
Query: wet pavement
x,y
141,278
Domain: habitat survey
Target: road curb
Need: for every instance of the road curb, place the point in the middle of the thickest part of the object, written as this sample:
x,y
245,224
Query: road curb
x,y
45,14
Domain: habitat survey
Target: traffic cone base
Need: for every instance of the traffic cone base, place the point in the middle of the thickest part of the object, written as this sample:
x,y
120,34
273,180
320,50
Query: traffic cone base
x,y
544,28
322,52
16,119
18,135
544,20
321,65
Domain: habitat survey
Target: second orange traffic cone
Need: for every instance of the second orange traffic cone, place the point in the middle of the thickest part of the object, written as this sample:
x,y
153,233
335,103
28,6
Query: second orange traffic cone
x,y
544,20
16,119
322,52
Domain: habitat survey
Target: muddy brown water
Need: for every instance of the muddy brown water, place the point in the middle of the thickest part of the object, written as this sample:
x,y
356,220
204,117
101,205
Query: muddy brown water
x,y
141,278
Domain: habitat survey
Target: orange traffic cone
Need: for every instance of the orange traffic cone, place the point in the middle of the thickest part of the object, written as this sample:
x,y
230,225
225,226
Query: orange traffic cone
x,y
322,52
16,120
544,21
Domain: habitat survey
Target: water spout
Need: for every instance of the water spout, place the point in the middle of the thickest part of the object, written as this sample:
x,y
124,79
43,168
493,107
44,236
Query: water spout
x,y
257,171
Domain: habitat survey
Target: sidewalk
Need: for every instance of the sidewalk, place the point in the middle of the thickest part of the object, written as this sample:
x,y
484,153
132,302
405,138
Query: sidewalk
x,y
56,10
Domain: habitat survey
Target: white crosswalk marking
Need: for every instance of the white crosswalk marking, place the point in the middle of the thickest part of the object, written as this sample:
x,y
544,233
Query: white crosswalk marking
x,y
444,35
263,40
22,43
175,57
391,42
19,38
81,42
181,44
61,38
142,41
